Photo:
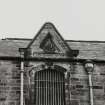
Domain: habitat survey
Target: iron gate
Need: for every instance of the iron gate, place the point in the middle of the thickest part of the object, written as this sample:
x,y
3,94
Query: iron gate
x,y
49,87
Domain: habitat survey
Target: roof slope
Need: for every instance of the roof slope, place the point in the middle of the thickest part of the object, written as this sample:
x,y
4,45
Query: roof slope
x,y
87,49
10,47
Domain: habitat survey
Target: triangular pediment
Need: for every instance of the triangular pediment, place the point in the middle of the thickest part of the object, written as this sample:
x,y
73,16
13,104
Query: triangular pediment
x,y
48,45
49,41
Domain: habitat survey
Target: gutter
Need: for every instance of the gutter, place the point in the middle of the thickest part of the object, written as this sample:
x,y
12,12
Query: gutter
x,y
37,59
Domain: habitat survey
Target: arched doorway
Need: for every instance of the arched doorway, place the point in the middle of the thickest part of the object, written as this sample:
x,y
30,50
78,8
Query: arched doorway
x,y
49,87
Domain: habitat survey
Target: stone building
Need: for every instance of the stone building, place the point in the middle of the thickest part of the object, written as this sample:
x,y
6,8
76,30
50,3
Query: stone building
x,y
48,70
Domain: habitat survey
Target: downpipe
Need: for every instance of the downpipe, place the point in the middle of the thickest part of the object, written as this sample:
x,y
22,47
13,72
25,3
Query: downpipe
x,y
89,66
90,88
21,77
22,84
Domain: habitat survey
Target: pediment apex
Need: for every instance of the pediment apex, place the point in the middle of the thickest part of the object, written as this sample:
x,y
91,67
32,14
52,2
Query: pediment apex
x,y
45,29
48,36
48,25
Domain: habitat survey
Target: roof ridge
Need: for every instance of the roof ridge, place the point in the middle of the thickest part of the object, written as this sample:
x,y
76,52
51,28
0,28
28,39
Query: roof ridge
x,y
17,39
29,39
91,41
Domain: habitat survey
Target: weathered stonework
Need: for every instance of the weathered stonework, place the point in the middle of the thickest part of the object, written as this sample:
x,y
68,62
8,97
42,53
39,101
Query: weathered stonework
x,y
9,83
76,82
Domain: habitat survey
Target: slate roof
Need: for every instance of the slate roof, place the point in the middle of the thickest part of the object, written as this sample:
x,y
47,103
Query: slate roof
x,y
10,47
87,49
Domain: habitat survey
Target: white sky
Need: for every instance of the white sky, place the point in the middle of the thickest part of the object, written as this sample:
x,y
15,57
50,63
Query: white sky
x,y
74,19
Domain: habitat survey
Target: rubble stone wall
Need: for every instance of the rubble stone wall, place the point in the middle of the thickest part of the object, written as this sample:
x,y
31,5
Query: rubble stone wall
x,y
76,83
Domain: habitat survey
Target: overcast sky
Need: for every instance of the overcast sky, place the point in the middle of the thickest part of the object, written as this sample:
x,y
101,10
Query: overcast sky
x,y
74,19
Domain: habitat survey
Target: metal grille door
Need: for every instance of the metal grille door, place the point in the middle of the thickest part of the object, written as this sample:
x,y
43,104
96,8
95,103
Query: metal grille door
x,y
49,88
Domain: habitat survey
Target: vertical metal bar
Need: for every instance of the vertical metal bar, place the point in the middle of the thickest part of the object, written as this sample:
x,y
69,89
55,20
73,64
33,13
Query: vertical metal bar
x,y
55,87
37,89
60,90
60,87
50,89
64,90
35,95
44,75
46,86
34,91
43,89
40,88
